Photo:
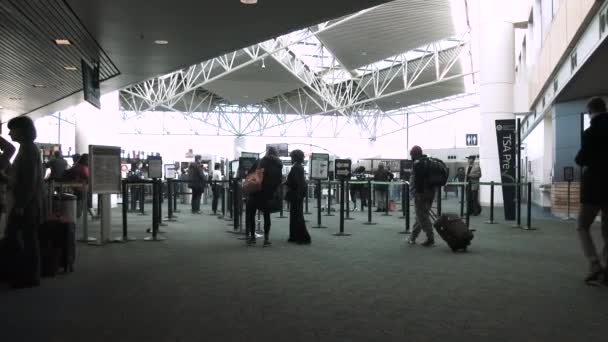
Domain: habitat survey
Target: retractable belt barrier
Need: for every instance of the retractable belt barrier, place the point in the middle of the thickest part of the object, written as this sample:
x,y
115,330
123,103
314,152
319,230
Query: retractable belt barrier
x,y
156,210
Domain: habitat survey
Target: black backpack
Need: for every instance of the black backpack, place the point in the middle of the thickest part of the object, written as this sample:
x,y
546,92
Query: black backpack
x,y
437,173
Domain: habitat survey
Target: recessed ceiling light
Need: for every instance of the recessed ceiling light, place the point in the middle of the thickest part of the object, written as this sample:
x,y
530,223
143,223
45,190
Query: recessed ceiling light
x,y
15,98
249,2
363,53
161,42
397,102
38,86
1,107
63,42
70,68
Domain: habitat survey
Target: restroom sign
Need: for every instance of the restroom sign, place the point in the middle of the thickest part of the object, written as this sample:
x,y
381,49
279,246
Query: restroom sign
x,y
472,140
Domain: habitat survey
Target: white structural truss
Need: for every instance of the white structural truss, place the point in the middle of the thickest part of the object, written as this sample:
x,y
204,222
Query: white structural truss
x,y
315,89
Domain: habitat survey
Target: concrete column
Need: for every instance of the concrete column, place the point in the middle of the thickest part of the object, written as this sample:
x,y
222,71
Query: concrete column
x,y
240,145
497,67
98,127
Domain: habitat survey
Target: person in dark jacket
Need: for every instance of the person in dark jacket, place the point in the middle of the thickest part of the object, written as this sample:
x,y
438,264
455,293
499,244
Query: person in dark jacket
x,y
594,187
264,199
296,191
21,247
58,165
381,175
423,198
197,183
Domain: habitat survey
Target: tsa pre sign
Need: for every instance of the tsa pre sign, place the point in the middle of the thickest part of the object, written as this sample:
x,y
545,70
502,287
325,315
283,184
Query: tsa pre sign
x,y
506,135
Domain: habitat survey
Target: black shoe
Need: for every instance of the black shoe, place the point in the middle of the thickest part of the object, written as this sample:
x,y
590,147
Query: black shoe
x,y
267,243
428,243
304,242
250,241
291,240
594,277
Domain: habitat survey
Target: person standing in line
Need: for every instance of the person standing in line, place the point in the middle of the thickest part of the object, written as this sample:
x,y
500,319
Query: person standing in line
x,y
296,191
262,200
594,188
473,176
197,183
215,186
381,175
27,208
423,198
58,165
8,150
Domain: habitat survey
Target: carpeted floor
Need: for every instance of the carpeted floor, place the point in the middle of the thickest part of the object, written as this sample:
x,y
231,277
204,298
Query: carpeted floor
x,y
203,284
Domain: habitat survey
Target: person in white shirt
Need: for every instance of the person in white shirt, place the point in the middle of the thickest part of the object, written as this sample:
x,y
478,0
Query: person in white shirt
x,y
216,187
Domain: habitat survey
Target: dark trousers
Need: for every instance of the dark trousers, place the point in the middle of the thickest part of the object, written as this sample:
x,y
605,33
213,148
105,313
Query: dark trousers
x,y
586,216
197,193
250,210
297,225
474,206
216,196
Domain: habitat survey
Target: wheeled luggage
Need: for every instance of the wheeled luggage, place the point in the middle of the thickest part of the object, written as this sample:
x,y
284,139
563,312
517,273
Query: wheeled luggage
x,y
453,231
58,245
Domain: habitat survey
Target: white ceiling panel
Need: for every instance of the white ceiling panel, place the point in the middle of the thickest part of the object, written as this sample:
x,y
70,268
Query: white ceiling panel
x,y
388,30
255,83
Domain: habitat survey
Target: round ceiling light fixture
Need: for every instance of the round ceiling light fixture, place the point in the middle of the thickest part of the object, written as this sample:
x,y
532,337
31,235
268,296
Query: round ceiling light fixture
x,y
249,2
161,42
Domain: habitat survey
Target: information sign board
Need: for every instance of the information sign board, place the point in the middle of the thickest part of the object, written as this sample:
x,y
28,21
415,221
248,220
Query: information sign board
x,y
343,168
319,166
105,167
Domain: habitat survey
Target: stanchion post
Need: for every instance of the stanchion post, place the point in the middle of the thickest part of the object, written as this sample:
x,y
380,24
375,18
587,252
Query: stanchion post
x,y
518,204
492,184
306,212
369,204
347,199
568,204
155,205
223,193
386,199
160,202
406,207
468,200
529,213
329,199
281,192
439,201
170,191
125,208
175,194
342,198
318,193
462,190
142,199
403,207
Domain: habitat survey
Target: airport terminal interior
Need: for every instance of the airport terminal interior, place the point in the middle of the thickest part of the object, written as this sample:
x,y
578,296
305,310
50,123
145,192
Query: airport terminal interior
x,y
279,170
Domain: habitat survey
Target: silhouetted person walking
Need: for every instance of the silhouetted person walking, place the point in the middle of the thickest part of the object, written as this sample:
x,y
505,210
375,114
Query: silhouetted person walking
x,y
594,188
197,184
296,191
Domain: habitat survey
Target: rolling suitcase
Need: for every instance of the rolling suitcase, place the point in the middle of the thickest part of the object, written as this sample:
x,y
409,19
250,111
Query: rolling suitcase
x,y
453,231
58,241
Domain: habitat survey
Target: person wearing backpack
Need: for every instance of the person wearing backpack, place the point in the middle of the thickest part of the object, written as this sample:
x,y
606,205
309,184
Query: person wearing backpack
x,y
423,193
262,199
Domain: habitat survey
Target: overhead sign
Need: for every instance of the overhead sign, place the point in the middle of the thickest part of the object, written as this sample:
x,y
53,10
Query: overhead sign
x,y
506,134
319,166
90,83
105,169
343,168
472,140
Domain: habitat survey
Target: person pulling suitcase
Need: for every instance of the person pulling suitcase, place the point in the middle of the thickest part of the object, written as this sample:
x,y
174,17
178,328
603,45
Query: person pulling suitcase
x,y
423,194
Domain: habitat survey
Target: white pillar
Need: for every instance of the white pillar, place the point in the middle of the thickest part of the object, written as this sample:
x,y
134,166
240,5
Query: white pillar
x,y
240,145
98,127
497,68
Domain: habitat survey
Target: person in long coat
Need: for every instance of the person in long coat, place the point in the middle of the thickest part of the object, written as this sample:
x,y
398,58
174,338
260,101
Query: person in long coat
x,y
296,191
26,194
